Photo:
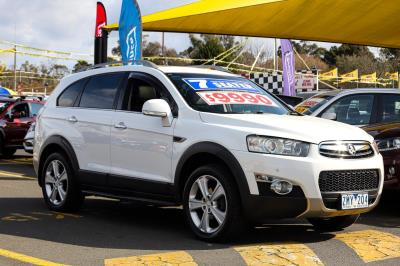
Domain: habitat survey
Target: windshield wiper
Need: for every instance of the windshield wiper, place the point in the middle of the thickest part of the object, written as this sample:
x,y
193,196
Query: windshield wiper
x,y
291,112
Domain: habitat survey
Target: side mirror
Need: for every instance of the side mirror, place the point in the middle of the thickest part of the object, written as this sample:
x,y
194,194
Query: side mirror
x,y
329,116
158,108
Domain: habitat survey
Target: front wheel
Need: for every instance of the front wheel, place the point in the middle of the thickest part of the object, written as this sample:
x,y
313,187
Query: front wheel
x,y
333,223
211,204
59,185
8,152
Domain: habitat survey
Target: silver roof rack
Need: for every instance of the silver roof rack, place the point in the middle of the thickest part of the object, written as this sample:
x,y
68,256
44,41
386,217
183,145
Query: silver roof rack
x,y
120,63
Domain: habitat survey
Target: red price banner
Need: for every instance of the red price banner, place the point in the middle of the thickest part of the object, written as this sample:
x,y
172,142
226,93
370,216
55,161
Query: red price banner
x,y
226,97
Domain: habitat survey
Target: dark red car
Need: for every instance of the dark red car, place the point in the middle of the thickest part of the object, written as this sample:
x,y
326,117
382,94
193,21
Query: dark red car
x,y
387,136
16,116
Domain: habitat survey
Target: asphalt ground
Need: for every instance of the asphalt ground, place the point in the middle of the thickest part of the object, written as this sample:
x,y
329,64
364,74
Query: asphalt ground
x,y
110,232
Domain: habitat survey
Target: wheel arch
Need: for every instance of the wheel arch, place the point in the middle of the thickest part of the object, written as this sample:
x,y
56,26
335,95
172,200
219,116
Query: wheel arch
x,y
206,153
57,143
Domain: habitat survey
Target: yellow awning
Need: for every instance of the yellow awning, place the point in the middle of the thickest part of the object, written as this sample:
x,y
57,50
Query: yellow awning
x,y
368,22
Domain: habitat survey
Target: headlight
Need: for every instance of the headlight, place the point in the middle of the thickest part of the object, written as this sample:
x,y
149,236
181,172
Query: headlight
x,y
389,144
278,146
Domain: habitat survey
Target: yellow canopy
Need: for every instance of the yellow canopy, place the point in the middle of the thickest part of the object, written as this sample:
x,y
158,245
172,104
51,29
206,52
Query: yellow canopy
x,y
368,22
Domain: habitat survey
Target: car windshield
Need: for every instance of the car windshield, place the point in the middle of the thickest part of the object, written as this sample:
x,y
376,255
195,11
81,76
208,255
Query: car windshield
x,y
226,94
4,106
308,106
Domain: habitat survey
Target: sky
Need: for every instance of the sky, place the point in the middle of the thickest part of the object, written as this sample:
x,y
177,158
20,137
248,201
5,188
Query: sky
x,y
68,25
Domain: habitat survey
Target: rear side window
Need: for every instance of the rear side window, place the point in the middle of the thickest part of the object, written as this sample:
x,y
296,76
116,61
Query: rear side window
x,y
100,91
390,108
70,94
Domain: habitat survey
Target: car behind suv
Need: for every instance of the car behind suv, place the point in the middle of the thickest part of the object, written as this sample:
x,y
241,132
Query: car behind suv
x,y
16,116
377,111
214,142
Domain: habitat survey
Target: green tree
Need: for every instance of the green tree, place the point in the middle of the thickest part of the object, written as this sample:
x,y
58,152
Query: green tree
x,y
209,46
80,65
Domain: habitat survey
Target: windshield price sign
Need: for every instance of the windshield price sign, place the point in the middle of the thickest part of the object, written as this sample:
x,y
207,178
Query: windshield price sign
x,y
225,97
221,84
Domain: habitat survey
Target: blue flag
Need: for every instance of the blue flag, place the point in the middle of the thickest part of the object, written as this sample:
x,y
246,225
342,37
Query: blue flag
x,y
130,32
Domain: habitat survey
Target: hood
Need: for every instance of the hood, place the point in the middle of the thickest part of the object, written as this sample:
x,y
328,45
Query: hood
x,y
303,128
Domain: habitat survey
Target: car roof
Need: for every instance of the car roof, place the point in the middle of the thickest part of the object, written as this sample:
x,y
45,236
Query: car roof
x,y
358,91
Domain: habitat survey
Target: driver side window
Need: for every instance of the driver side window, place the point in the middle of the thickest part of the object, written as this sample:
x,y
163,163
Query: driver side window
x,y
20,110
140,91
353,110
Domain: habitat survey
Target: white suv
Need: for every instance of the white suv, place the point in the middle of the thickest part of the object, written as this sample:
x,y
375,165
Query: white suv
x,y
214,142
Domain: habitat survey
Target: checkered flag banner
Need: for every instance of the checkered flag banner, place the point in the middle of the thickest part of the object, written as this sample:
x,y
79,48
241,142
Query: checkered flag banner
x,y
306,81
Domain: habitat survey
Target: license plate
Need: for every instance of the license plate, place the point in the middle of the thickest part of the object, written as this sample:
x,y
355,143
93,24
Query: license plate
x,y
354,201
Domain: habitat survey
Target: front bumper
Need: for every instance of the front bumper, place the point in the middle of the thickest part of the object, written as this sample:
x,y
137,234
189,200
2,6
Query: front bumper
x,y
304,174
28,145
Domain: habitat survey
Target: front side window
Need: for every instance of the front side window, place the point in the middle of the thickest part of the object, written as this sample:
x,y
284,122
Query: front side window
x,y
225,94
100,91
390,111
20,110
353,110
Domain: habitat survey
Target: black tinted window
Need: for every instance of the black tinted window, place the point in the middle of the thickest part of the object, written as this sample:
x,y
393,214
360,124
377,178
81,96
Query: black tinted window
x,y
70,94
100,91
390,108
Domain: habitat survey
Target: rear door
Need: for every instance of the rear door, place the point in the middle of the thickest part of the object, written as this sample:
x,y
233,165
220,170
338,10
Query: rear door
x,y
141,148
92,121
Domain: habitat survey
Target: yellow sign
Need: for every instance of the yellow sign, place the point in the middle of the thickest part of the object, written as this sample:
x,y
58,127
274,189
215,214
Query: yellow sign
x,y
392,76
369,78
332,74
353,75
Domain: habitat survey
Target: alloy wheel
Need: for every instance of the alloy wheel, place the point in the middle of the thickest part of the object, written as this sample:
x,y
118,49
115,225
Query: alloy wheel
x,y
56,182
207,204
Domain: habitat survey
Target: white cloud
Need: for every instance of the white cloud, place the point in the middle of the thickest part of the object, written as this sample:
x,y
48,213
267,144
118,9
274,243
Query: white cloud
x,y
66,25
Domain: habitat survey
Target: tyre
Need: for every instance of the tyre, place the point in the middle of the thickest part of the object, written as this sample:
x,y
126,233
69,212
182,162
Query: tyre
x,y
212,205
333,223
59,185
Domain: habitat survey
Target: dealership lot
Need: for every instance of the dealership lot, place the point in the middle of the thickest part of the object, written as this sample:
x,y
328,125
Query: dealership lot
x,y
109,232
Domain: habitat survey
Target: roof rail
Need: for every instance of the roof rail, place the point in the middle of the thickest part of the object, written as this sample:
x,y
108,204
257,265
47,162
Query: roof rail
x,y
120,63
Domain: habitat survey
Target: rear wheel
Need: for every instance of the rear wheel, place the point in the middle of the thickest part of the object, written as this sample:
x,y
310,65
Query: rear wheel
x,y
211,204
59,186
333,223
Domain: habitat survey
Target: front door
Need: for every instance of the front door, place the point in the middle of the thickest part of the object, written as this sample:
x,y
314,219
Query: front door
x,y
141,148
16,128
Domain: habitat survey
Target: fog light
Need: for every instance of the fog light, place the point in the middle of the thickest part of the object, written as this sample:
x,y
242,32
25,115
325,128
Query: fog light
x,y
281,187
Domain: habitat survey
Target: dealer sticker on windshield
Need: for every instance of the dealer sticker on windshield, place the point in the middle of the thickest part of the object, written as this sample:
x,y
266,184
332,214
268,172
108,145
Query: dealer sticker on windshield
x,y
237,97
354,201
199,84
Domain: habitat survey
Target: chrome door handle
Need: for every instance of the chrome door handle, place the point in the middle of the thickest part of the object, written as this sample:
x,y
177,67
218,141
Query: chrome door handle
x,y
120,125
72,119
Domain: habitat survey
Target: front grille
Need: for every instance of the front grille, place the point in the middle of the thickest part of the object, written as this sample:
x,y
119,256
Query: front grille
x,y
346,149
350,180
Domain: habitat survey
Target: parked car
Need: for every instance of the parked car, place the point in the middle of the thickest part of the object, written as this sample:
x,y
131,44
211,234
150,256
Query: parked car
x,y
16,116
29,139
214,142
377,111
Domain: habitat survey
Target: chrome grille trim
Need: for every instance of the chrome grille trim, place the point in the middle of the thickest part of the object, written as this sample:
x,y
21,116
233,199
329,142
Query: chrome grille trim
x,y
341,149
